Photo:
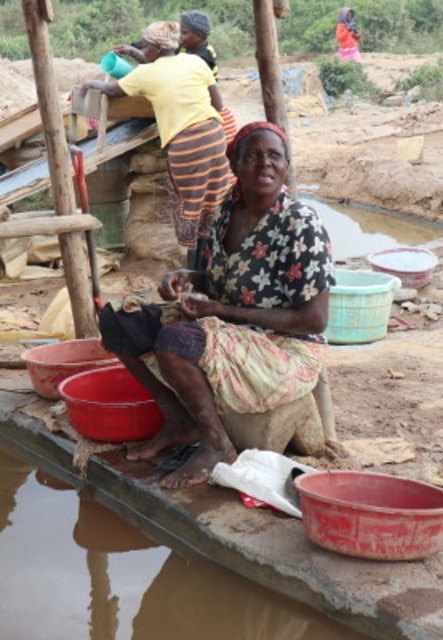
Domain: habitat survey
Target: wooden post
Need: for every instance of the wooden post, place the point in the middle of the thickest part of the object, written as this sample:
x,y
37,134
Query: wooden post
x,y
282,8
268,61
72,245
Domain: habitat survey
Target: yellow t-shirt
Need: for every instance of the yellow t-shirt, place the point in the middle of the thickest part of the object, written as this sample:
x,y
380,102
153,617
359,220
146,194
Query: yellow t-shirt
x,y
177,87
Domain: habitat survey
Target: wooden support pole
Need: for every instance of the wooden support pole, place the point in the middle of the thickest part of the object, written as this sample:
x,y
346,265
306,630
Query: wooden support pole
x,y
72,246
268,61
53,225
282,8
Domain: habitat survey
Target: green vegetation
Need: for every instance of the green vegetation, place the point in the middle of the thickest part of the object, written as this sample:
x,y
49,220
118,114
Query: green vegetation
x,y
430,79
337,77
88,28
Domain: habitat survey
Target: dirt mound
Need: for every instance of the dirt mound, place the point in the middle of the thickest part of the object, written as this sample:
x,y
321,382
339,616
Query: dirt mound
x,y
16,90
67,72
396,185
17,86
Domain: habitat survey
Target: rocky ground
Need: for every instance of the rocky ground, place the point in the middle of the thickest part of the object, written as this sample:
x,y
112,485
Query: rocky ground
x,y
390,392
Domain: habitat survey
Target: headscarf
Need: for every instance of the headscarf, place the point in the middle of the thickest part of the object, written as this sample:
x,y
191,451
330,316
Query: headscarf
x,y
342,14
197,22
164,34
232,147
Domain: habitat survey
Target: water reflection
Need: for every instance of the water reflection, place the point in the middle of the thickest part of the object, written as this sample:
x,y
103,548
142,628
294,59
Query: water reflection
x,y
199,600
124,586
13,474
356,232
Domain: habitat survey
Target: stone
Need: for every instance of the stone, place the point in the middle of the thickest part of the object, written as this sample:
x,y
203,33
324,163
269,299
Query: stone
x,y
404,294
296,423
411,149
394,101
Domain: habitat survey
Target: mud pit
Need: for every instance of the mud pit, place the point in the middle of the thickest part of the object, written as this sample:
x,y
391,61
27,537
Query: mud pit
x,y
389,389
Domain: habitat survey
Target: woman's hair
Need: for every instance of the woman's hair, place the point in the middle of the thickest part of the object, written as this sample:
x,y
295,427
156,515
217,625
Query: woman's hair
x,y
165,35
197,22
235,147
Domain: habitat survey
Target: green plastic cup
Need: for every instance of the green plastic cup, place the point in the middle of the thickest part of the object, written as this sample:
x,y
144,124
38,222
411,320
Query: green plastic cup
x,y
115,66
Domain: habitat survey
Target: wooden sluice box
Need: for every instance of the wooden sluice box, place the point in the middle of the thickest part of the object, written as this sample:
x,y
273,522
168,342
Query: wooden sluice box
x,y
117,108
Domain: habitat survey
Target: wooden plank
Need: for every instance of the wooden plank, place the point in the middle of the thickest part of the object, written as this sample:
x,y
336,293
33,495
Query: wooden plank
x,y
53,225
26,215
22,125
118,108
129,107
87,105
93,162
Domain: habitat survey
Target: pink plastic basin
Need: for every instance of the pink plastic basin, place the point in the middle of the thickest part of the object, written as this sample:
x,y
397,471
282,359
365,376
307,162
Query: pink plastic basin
x,y
50,364
110,405
413,266
371,515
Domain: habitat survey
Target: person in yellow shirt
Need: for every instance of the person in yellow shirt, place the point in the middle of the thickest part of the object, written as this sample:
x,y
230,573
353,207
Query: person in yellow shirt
x,y
195,29
186,103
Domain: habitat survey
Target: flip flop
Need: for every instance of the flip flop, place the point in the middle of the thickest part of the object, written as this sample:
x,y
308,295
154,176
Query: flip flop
x,y
178,458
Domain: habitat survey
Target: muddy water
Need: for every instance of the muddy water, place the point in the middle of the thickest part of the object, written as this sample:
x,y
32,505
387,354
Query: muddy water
x,y
356,232
72,569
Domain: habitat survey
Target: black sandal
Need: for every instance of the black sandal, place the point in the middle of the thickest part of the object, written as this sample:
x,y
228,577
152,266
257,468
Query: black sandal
x,y
178,458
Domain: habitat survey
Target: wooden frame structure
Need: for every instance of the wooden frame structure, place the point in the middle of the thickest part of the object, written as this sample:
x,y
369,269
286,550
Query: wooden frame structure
x,y
37,14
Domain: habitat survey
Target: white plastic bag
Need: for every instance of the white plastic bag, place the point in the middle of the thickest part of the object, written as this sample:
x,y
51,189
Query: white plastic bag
x,y
262,475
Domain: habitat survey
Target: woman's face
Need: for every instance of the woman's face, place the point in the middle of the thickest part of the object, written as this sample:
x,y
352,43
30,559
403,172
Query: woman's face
x,y
188,39
262,165
150,51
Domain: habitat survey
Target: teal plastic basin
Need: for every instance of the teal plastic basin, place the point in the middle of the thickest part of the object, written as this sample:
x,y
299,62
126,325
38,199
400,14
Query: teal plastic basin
x,y
359,306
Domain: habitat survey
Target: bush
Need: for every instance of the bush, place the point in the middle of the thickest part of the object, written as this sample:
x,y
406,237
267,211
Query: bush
x,y
429,77
426,15
14,47
320,36
337,77
229,41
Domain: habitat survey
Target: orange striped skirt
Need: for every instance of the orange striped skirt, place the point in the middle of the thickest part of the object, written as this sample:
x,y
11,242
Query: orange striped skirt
x,y
199,176
229,125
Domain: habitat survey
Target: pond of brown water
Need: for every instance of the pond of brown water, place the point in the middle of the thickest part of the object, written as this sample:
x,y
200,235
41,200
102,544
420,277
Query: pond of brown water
x,y
73,570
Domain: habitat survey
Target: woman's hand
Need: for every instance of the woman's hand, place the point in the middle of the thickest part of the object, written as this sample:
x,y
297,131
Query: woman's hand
x,y
129,50
123,49
197,308
174,283
111,89
84,88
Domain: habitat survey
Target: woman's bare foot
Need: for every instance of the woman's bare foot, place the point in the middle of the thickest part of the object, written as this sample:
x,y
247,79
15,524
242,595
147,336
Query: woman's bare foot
x,y
198,468
169,436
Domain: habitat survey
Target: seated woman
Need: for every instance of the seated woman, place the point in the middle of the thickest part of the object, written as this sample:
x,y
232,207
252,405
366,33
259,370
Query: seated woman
x,y
253,343
186,103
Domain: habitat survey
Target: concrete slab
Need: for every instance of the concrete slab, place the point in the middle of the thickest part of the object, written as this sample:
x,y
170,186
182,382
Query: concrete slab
x,y
389,601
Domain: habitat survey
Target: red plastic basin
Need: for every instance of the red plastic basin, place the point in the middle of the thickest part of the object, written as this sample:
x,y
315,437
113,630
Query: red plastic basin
x,y
371,515
110,405
50,364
